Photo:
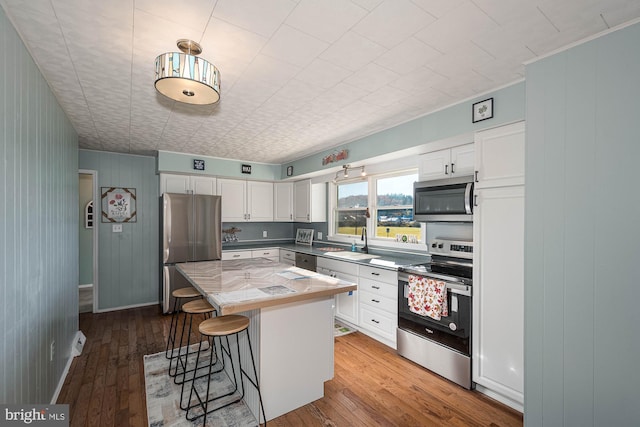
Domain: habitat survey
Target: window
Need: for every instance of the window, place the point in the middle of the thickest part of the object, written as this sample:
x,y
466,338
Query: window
x,y
394,208
383,203
351,208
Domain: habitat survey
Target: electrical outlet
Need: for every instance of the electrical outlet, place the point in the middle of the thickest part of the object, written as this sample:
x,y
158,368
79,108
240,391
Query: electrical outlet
x,y
116,228
319,235
52,350
264,233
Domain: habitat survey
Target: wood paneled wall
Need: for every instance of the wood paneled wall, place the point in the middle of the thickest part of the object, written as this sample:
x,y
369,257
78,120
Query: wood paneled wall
x,y
38,228
582,237
128,262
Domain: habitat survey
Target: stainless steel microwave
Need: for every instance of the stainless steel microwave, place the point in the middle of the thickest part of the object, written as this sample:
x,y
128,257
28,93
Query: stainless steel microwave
x,y
448,199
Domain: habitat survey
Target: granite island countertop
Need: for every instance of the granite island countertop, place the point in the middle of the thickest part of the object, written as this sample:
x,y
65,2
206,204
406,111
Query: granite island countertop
x,y
234,286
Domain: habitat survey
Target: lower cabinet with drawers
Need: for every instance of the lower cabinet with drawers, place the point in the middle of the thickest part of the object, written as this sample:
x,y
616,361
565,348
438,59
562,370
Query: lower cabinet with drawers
x,y
378,301
270,253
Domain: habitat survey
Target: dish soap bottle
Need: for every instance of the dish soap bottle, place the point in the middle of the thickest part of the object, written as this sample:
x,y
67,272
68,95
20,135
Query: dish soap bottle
x,y
353,246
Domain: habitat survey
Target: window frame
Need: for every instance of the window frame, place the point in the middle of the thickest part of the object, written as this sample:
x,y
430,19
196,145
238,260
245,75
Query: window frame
x,y
371,224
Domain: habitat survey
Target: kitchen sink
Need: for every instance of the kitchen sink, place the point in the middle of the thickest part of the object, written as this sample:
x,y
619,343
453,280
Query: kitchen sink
x,y
352,255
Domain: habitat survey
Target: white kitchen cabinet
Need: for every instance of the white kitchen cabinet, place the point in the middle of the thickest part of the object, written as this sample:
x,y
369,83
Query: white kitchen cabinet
x,y
346,303
270,253
378,304
246,200
451,162
226,255
310,201
500,156
498,265
287,257
195,184
283,201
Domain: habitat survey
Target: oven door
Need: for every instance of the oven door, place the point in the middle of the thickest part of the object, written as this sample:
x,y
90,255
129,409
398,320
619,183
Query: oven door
x,y
454,330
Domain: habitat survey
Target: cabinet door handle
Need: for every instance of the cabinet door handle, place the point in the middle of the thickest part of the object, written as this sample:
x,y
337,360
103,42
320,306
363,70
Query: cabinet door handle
x,y
375,274
476,174
376,301
375,287
475,200
452,171
375,321
446,169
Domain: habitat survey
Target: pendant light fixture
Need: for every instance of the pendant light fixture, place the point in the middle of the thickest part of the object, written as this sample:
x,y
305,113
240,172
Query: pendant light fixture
x,y
184,77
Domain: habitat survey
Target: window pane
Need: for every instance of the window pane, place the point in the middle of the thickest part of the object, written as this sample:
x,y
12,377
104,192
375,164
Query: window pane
x,y
394,215
353,195
352,203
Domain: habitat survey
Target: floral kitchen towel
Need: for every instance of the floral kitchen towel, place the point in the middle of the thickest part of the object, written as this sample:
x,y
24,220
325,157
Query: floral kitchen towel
x,y
428,297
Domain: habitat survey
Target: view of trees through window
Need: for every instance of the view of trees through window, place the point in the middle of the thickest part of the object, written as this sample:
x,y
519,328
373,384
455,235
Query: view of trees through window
x,y
392,212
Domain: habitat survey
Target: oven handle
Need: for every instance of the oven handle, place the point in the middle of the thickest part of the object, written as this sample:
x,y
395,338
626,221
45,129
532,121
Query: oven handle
x,y
454,288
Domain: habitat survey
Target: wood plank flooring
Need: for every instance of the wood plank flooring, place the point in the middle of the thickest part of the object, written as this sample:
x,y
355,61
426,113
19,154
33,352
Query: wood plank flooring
x,y
372,385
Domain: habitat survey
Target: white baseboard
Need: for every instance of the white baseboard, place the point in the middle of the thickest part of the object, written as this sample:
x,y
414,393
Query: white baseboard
x,y
500,398
126,307
76,349
86,285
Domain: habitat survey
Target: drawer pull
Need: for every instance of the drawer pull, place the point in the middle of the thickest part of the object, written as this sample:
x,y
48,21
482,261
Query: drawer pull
x,y
236,256
375,321
375,274
375,287
376,301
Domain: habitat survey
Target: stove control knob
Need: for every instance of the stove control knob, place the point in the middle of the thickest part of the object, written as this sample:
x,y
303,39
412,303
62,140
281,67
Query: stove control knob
x,y
440,246
453,326
433,245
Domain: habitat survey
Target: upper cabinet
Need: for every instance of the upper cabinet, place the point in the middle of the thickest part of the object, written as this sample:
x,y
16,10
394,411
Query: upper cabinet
x,y
310,201
500,156
456,161
246,200
283,201
195,184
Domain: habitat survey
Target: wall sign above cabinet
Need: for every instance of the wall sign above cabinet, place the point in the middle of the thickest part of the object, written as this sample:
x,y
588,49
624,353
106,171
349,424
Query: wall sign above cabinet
x,y
246,169
198,164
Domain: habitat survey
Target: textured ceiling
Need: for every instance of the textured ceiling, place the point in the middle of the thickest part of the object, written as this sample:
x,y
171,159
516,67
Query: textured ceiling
x,y
298,77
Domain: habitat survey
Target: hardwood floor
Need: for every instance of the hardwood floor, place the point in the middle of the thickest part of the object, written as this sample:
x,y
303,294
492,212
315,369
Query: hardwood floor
x,y
372,385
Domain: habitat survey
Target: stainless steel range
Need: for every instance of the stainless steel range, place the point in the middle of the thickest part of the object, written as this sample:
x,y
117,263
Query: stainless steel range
x,y
434,311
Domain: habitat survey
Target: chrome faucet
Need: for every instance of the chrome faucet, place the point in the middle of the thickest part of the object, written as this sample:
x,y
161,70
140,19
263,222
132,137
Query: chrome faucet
x,y
363,236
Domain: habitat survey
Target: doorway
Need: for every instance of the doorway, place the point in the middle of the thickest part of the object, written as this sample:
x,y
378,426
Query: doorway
x,y
87,241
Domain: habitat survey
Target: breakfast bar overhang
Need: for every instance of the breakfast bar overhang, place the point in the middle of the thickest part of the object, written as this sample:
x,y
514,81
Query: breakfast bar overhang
x,y
291,314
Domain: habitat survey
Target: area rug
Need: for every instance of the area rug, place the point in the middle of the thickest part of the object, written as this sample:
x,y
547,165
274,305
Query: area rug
x,y
163,397
340,329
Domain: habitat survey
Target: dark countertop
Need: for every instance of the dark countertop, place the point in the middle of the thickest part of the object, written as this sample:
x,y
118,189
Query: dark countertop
x,y
387,259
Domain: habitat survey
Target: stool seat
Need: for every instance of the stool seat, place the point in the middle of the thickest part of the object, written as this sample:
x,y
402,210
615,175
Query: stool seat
x,y
198,306
186,293
224,325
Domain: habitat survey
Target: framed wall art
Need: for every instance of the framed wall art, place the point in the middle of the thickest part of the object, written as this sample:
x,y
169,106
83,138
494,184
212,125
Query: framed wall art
x,y
482,110
118,204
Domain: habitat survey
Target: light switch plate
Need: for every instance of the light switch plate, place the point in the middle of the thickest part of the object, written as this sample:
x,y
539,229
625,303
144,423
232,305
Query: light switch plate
x,y
319,234
264,233
116,228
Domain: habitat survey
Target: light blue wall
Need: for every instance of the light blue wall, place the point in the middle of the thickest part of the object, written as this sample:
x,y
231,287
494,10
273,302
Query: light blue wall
x,y
128,262
508,105
582,282
183,163
38,228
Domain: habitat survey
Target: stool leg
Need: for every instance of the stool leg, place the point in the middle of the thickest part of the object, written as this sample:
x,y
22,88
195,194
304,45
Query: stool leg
x,y
172,336
255,375
175,371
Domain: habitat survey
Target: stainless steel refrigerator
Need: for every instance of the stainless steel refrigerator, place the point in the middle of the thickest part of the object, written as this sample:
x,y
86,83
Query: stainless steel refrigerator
x,y
191,231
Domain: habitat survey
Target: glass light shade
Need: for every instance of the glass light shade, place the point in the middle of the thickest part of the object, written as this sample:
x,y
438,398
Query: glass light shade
x,y
187,78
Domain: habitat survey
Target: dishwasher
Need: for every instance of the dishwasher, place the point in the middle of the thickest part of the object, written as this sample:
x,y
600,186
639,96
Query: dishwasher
x,y
306,261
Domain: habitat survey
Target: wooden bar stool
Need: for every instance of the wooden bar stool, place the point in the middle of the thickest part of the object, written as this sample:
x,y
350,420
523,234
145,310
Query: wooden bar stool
x,y
178,295
224,327
191,308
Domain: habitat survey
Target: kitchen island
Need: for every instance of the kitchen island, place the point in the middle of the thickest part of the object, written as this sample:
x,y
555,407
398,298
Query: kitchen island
x,y
291,314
